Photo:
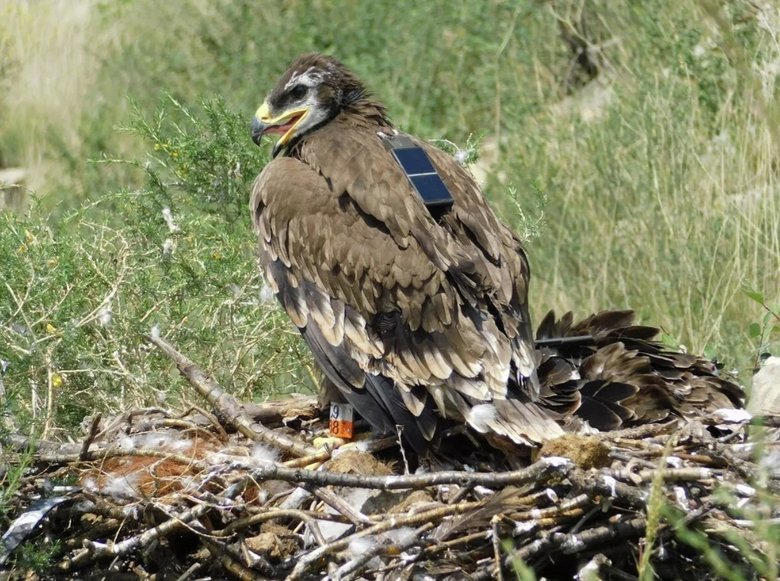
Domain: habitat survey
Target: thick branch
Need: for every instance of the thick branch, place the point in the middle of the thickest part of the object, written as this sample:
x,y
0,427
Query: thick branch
x,y
540,470
228,406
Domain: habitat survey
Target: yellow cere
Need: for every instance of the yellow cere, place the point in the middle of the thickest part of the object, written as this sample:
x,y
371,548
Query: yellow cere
x,y
262,113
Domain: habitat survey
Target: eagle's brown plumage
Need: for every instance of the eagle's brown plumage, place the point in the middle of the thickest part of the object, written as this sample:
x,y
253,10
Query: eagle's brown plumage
x,y
622,376
412,317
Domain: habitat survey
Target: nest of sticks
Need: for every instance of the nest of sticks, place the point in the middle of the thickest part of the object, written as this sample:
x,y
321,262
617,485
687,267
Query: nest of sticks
x,y
248,492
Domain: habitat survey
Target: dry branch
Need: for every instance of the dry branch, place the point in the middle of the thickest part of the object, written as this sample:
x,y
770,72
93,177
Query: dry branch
x,y
227,405
538,471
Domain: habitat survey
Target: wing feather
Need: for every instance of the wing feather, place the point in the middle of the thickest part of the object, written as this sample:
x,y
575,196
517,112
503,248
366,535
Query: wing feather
x,y
347,242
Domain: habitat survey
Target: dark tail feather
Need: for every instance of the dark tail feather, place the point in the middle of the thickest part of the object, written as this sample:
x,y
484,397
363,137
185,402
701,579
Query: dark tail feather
x,y
616,373
417,431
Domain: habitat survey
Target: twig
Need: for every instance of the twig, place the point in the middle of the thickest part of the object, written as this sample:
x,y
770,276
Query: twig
x,y
339,505
93,429
190,428
121,272
313,557
399,430
238,570
99,550
560,509
102,454
190,572
558,515
462,493
317,458
277,411
540,470
118,422
367,446
465,539
351,569
307,517
223,435
691,474
568,543
496,538
600,484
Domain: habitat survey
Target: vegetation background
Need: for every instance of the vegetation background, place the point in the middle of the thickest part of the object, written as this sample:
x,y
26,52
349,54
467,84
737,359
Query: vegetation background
x,y
634,144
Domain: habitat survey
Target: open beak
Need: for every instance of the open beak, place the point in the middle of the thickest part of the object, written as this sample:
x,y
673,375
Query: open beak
x,y
284,124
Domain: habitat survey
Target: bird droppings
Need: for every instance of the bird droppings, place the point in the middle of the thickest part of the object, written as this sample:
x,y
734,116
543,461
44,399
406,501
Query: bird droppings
x,y
524,527
168,247
585,451
681,497
572,544
611,483
266,294
745,490
167,215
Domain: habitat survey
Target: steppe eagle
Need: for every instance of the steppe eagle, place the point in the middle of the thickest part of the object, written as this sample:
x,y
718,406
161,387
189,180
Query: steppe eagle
x,y
412,294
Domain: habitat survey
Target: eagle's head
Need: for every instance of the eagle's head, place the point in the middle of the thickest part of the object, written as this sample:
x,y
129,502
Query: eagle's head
x,y
314,90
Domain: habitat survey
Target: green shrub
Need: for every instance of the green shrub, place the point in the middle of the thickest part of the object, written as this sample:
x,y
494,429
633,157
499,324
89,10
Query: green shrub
x,y
80,293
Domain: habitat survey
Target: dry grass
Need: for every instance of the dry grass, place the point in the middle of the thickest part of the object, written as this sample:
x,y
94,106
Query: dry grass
x,y
658,201
50,62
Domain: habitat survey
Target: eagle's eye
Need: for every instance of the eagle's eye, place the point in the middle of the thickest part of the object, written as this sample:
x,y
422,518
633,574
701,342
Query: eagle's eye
x,y
299,91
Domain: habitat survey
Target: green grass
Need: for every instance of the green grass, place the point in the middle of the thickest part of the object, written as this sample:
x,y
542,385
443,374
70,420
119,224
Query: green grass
x,y
664,197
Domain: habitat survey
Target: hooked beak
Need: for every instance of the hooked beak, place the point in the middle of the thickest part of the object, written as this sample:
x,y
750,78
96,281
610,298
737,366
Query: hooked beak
x,y
258,128
284,124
